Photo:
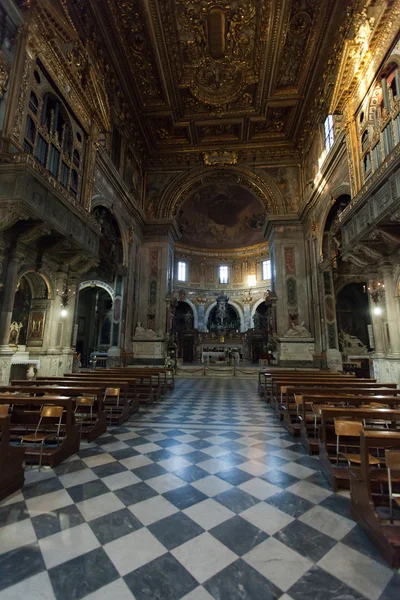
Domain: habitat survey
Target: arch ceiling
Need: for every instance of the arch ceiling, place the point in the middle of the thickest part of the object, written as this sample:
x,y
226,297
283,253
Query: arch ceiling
x,y
203,76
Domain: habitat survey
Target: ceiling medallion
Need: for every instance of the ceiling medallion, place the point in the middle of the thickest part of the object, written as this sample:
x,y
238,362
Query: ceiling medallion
x,y
217,48
220,157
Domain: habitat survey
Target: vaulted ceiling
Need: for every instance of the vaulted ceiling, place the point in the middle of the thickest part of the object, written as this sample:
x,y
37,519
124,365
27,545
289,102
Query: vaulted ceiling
x,y
205,75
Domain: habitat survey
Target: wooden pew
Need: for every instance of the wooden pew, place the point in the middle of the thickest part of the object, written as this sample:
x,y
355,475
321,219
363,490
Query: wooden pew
x,y
89,430
11,461
128,397
24,418
166,375
339,476
289,405
367,485
311,404
265,378
142,390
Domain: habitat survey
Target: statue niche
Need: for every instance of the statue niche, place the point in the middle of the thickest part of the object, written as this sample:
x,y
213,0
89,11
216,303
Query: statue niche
x,y
223,317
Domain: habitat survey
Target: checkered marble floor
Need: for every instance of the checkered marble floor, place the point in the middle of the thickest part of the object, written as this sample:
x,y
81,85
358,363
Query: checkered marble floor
x,y
202,496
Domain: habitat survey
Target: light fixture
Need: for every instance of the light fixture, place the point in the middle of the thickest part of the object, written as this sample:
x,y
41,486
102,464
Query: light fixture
x,y
65,294
376,292
252,281
63,313
377,310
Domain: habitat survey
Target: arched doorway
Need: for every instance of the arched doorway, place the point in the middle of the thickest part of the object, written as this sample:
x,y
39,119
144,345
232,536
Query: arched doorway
x,y
94,322
185,333
353,319
29,311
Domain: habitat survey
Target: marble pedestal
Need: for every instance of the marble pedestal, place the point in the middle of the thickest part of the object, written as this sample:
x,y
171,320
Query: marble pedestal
x,y
295,352
148,351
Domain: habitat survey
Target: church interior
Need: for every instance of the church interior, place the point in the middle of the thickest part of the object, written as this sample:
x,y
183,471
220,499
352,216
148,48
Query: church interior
x,y
199,299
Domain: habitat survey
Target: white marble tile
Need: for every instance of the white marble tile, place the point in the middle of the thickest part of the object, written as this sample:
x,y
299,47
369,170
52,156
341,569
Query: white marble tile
x,y
198,594
296,470
357,570
100,506
278,563
48,502
15,535
37,587
248,441
251,453
214,465
98,459
259,488
152,510
328,522
204,556
165,483
287,454
120,480
216,439
267,517
117,590
134,550
215,451
115,446
134,462
254,468
309,491
146,448
12,499
33,475
280,443
185,438
181,449
211,485
209,513
174,463
67,544
129,435
156,437
77,477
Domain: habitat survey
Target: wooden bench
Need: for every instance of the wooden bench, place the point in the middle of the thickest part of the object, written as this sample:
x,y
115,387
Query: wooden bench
x,y
25,414
309,411
90,428
339,476
11,461
367,485
138,392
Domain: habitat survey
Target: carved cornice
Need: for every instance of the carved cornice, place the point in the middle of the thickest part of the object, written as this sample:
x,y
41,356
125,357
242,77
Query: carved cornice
x,y
245,252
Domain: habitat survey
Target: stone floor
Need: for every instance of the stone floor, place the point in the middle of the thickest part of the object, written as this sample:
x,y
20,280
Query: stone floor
x,y
203,496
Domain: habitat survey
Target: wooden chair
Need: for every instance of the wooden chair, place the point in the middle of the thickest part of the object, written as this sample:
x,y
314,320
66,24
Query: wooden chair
x,y
392,459
4,409
80,413
350,429
113,395
47,412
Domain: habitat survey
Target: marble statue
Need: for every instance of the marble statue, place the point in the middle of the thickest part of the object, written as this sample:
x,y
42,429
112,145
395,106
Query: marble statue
x,y
141,332
188,320
298,331
350,344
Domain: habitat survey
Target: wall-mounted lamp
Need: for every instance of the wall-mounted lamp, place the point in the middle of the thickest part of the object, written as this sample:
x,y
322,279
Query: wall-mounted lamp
x,y
63,313
252,281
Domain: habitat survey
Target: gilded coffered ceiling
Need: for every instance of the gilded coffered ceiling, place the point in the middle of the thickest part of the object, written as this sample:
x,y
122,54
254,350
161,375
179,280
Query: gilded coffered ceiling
x,y
206,75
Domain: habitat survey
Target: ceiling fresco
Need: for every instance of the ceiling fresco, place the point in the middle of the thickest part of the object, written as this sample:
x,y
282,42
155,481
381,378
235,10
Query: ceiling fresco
x,y
222,215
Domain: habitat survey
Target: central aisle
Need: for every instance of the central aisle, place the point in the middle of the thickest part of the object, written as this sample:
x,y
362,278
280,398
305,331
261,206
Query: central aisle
x,y
204,496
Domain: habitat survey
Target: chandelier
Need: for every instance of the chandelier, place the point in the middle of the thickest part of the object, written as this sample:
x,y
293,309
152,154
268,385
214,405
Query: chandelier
x,y
376,291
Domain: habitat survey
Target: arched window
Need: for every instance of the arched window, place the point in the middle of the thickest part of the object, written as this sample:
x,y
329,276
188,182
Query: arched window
x,y
182,271
328,133
73,188
33,103
365,140
76,159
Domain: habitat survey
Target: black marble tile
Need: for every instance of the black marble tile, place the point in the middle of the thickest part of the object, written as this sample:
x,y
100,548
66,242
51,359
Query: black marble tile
x,y
185,496
53,484
175,530
168,443
108,439
308,461
88,490
70,467
161,579
145,431
114,525
139,441
319,479
392,590
290,503
305,540
203,434
233,459
239,581
359,540
192,473
318,584
149,471
338,504
88,452
159,455
196,457
137,492
264,436
83,575
118,430
231,435
19,564
234,476
14,513
236,500
173,432
233,446
57,520
238,535
279,478
200,444
126,453
111,468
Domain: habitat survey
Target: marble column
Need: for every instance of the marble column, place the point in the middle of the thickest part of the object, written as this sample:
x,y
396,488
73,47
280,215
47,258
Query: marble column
x,y
13,258
248,324
392,312
201,324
